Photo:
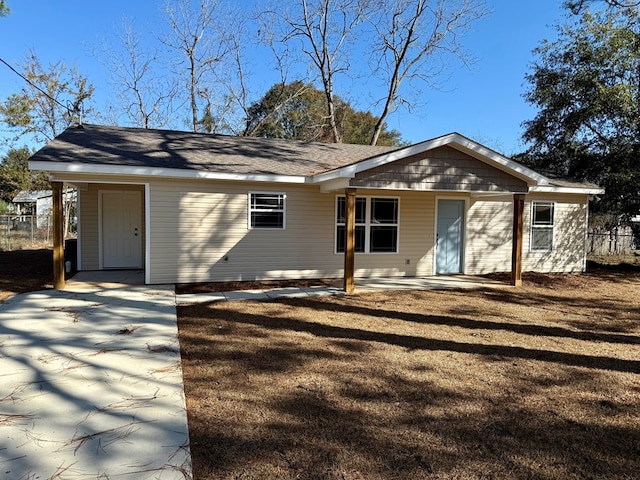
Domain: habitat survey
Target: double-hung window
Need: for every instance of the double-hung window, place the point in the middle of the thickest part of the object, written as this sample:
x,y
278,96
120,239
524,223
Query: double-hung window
x,y
376,226
267,210
542,222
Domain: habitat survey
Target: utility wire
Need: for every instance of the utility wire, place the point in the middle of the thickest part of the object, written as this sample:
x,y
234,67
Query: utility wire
x,y
36,87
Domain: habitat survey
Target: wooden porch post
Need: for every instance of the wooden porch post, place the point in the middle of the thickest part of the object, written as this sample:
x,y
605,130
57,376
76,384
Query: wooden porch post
x,y
58,237
518,232
350,243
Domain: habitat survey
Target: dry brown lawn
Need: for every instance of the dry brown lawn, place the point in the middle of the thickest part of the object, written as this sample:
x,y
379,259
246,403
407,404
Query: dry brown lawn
x,y
25,271
541,382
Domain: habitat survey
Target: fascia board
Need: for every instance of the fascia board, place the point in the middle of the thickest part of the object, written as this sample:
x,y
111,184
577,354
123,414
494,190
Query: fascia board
x,y
574,190
54,167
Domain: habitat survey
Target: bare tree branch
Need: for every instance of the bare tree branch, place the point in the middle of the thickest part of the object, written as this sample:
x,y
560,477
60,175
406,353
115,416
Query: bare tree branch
x,y
324,28
414,38
200,40
135,74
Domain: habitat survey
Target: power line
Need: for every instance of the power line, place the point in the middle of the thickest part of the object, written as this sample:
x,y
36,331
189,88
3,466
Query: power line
x,y
36,87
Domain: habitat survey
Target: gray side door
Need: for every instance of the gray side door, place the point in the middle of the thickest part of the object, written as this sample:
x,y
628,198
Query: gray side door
x,y
450,236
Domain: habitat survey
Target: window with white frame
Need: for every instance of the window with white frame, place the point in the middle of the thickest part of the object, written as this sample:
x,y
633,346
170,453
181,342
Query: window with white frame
x,y
542,222
267,210
376,226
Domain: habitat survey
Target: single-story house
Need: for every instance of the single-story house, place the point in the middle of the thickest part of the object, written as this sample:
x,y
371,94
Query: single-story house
x,y
189,207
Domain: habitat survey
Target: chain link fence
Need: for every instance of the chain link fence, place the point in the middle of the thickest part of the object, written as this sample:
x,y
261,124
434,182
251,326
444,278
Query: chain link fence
x,y
19,232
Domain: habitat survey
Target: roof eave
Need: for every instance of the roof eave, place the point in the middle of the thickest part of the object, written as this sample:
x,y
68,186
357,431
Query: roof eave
x,y
571,190
159,172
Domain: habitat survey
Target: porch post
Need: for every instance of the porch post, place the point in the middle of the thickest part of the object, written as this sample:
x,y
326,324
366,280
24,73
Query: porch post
x,y
350,235
58,237
518,231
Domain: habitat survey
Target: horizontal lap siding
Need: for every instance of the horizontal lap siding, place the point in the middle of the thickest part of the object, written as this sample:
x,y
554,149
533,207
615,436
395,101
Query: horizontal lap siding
x,y
489,235
569,251
88,234
199,233
196,224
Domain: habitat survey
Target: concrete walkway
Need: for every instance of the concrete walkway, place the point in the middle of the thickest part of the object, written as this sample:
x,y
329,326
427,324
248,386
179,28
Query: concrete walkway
x,y
91,386
448,282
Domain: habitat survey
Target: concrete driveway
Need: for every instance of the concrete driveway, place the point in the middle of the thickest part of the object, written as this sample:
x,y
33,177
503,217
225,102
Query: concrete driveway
x,y
91,386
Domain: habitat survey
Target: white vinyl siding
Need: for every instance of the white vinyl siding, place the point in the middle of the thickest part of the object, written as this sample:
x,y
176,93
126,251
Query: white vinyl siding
x,y
570,230
489,235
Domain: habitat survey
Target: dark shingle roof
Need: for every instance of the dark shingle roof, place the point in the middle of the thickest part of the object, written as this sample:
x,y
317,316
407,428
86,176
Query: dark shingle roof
x,y
136,147
560,182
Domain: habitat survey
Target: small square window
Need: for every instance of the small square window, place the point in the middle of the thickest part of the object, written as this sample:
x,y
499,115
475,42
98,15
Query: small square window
x,y
266,210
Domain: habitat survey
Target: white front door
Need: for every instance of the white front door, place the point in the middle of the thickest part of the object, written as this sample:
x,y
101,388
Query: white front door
x,y
121,229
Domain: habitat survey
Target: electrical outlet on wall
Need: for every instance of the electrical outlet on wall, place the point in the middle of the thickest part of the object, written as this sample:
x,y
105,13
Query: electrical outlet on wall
x,y
407,261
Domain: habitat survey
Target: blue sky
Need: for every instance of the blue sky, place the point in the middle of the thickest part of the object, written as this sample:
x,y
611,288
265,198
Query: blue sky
x,y
484,102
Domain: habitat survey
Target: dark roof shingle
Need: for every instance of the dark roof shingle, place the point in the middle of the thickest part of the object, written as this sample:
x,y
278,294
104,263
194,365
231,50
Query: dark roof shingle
x,y
137,147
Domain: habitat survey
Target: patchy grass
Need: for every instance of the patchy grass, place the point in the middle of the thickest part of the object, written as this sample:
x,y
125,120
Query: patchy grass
x,y
25,271
629,262
540,382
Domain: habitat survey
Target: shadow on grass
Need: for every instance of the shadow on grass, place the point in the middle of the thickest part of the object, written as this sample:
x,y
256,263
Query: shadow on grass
x,y
382,422
420,343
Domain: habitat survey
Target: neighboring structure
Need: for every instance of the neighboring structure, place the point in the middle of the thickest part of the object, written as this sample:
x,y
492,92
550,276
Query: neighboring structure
x,y
192,207
39,203
34,202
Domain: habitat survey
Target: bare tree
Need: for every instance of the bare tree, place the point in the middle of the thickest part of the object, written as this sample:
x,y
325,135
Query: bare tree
x,y
201,42
324,28
234,73
145,98
53,98
414,38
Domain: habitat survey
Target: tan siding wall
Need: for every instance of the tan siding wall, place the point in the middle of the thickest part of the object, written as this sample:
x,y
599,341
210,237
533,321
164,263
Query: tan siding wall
x,y
569,250
89,222
200,234
490,231
443,168
489,235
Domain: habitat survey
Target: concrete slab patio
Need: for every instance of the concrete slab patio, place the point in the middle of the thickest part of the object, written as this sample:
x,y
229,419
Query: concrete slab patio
x,y
91,385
